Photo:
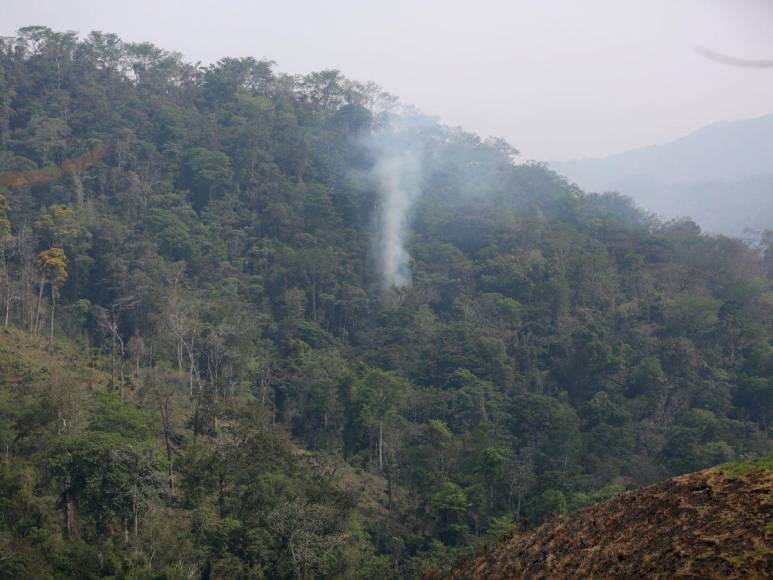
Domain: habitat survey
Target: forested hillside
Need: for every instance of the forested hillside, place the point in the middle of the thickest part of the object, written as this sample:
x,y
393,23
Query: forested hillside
x,y
203,375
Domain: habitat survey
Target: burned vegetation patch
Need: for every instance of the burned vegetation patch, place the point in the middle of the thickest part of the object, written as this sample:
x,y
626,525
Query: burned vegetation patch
x,y
711,524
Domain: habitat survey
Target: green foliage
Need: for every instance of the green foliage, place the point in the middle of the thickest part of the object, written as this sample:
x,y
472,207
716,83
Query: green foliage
x,y
59,225
503,526
112,416
580,500
551,501
206,174
741,467
451,502
5,222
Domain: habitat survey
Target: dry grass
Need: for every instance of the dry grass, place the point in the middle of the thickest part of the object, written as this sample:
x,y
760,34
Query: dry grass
x,y
712,524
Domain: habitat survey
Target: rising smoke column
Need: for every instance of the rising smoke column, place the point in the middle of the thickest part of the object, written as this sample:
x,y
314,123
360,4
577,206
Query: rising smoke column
x,y
395,175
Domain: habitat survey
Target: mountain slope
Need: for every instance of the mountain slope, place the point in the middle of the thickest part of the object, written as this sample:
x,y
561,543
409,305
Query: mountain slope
x,y
714,523
720,175
726,150
53,405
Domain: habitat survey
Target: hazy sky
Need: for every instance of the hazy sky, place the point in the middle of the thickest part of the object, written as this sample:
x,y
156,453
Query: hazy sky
x,y
558,79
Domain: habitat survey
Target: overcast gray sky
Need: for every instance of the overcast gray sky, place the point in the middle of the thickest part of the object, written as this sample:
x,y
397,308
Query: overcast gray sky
x,y
558,79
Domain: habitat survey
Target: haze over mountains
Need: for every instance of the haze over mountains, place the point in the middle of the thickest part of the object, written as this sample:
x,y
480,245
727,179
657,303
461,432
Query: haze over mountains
x,y
720,175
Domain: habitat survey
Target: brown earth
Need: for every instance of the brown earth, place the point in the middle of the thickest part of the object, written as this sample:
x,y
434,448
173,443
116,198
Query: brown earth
x,y
710,524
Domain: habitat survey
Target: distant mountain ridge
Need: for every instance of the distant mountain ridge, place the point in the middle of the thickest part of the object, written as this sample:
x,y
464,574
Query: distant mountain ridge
x,y
720,175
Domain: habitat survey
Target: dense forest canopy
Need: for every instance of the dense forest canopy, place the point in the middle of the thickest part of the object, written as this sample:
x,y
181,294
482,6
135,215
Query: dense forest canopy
x,y
223,387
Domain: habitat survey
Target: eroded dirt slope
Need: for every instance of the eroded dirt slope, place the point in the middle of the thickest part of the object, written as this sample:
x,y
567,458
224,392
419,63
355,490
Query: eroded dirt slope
x,y
716,523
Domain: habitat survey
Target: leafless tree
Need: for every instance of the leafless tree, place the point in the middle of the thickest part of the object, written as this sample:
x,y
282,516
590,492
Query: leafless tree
x,y
109,322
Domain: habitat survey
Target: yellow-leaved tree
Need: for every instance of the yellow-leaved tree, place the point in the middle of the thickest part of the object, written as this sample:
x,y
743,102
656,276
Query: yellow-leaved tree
x,y
53,264
58,226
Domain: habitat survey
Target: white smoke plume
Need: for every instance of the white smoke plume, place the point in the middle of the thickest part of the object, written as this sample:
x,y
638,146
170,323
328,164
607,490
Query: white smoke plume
x,y
409,151
396,178
396,174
